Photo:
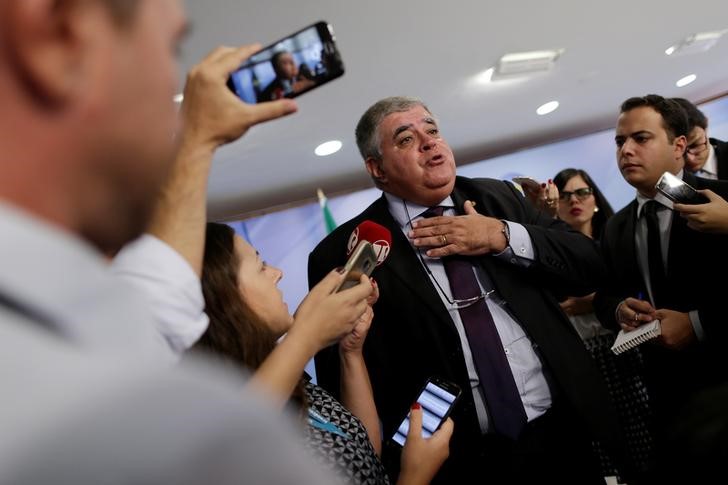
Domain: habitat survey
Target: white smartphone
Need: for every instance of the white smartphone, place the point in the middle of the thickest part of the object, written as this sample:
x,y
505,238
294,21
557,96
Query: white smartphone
x,y
678,191
437,399
363,260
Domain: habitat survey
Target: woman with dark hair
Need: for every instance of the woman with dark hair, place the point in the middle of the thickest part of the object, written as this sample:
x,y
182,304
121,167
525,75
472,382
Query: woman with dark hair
x,y
583,206
248,316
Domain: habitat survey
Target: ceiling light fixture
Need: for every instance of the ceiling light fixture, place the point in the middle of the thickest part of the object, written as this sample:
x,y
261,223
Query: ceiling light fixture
x,y
694,43
686,80
486,76
521,63
547,108
327,148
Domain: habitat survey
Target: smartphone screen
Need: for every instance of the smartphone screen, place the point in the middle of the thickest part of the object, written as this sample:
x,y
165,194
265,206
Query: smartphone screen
x,y
289,67
678,191
437,400
363,260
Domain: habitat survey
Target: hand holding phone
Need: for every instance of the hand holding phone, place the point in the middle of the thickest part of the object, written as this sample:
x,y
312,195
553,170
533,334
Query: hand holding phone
x,y
363,260
436,399
289,67
679,191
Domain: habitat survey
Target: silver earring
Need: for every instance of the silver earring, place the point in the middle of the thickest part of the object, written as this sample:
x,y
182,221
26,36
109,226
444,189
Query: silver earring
x,y
596,209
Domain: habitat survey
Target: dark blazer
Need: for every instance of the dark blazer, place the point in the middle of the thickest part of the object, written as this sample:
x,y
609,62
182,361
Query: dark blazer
x,y
693,259
413,337
721,153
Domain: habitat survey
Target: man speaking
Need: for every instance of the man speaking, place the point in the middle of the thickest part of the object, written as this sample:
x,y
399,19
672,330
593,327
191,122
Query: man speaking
x,y
468,294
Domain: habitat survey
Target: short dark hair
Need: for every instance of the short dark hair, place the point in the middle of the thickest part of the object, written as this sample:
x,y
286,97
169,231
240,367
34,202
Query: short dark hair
x,y
674,118
695,116
605,209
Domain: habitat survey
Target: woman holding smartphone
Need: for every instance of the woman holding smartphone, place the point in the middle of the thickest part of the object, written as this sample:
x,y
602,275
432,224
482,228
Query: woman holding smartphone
x,y
247,317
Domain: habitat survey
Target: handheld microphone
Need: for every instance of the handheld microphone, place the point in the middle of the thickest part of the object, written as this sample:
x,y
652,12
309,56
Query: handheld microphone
x,y
378,235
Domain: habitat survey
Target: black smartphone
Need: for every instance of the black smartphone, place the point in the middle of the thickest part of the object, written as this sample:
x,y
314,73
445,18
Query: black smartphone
x,y
362,260
437,399
678,191
289,67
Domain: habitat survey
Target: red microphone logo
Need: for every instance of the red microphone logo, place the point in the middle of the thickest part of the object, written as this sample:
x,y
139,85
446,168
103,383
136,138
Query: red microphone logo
x,y
378,235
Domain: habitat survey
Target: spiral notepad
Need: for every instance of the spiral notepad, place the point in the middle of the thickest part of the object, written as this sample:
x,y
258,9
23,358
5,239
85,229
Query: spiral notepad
x,y
633,338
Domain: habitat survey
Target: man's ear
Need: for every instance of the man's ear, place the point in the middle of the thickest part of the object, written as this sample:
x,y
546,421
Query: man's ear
x,y
375,169
680,145
47,41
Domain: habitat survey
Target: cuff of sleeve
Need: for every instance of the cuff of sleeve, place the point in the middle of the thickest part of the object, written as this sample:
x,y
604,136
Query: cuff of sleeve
x,y
697,326
520,248
169,284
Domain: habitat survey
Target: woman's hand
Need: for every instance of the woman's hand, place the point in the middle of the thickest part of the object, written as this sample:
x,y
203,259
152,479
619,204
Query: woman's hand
x,y
325,316
423,457
353,342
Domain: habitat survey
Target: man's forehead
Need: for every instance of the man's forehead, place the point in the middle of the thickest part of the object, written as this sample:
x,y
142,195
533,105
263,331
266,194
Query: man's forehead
x,y
416,115
639,119
696,132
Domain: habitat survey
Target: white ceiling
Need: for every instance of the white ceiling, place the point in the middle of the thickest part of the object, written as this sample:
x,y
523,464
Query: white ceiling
x,y
434,50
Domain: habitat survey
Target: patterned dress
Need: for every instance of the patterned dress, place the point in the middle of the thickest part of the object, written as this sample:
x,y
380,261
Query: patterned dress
x,y
353,458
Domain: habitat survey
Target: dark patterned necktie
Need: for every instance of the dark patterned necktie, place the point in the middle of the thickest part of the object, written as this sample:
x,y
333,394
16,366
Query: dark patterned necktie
x,y
654,251
496,379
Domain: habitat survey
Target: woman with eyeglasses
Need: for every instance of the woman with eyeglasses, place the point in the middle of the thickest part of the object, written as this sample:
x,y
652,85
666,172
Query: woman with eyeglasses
x,y
583,206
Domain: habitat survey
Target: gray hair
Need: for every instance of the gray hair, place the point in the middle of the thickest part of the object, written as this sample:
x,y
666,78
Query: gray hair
x,y
367,130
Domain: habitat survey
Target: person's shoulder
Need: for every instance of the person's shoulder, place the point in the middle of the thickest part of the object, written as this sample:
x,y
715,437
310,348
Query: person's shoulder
x,y
621,216
156,425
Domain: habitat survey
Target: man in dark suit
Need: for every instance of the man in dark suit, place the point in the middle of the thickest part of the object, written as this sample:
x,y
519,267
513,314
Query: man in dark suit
x,y
521,257
666,272
704,157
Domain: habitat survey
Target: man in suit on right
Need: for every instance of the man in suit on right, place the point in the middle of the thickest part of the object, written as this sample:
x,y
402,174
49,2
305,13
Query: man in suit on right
x,y
656,274
704,157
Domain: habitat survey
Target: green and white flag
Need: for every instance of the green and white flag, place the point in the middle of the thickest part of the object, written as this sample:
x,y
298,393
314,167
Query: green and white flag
x,y
329,221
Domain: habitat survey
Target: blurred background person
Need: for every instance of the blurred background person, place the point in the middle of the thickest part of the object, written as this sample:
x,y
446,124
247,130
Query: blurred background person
x,y
704,157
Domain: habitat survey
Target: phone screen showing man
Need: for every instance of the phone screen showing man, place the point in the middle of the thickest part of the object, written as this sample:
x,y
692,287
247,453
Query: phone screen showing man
x,y
289,67
436,403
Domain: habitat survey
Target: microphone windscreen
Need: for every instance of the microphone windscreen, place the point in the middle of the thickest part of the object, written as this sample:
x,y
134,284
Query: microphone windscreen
x,y
378,235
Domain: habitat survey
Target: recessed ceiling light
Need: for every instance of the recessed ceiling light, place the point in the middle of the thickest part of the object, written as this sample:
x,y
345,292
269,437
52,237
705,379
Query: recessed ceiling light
x,y
327,148
547,108
686,80
177,98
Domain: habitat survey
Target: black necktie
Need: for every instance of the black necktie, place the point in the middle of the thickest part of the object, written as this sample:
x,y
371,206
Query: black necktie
x,y
496,379
654,251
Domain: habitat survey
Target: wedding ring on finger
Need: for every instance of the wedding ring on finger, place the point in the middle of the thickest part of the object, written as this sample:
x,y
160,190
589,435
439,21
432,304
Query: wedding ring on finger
x,y
444,239
636,317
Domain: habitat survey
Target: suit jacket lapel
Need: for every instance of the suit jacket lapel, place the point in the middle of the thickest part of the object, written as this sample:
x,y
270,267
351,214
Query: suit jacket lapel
x,y
404,265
